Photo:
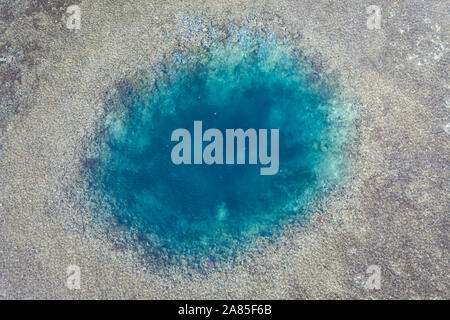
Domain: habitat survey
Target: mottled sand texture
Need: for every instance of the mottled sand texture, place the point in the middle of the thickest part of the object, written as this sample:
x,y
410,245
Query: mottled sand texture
x,y
391,210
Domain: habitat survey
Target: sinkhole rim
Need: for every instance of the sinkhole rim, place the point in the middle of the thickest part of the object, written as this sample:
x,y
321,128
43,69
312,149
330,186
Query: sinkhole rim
x,y
141,82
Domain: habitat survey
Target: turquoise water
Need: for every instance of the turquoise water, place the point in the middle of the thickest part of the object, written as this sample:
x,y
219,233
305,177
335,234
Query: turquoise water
x,y
212,210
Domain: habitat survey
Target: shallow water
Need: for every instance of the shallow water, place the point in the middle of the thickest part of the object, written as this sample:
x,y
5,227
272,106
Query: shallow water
x,y
214,209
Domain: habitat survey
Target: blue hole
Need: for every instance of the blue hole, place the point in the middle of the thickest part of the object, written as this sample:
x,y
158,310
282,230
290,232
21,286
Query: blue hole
x,y
213,210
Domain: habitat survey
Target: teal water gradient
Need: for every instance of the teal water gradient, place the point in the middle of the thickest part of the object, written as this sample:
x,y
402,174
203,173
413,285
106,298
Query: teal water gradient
x,y
213,210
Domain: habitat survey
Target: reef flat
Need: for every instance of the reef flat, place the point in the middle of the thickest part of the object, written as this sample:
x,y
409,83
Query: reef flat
x,y
390,209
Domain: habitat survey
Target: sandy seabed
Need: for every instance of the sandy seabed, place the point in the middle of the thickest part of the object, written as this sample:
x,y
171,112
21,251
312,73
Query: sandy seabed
x,y
391,210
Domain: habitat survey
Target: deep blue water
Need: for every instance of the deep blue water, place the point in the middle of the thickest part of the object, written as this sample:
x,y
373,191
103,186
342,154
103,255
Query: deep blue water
x,y
213,209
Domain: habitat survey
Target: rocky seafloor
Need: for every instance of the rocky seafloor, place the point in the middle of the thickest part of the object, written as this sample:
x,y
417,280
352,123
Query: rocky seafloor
x,y
391,210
